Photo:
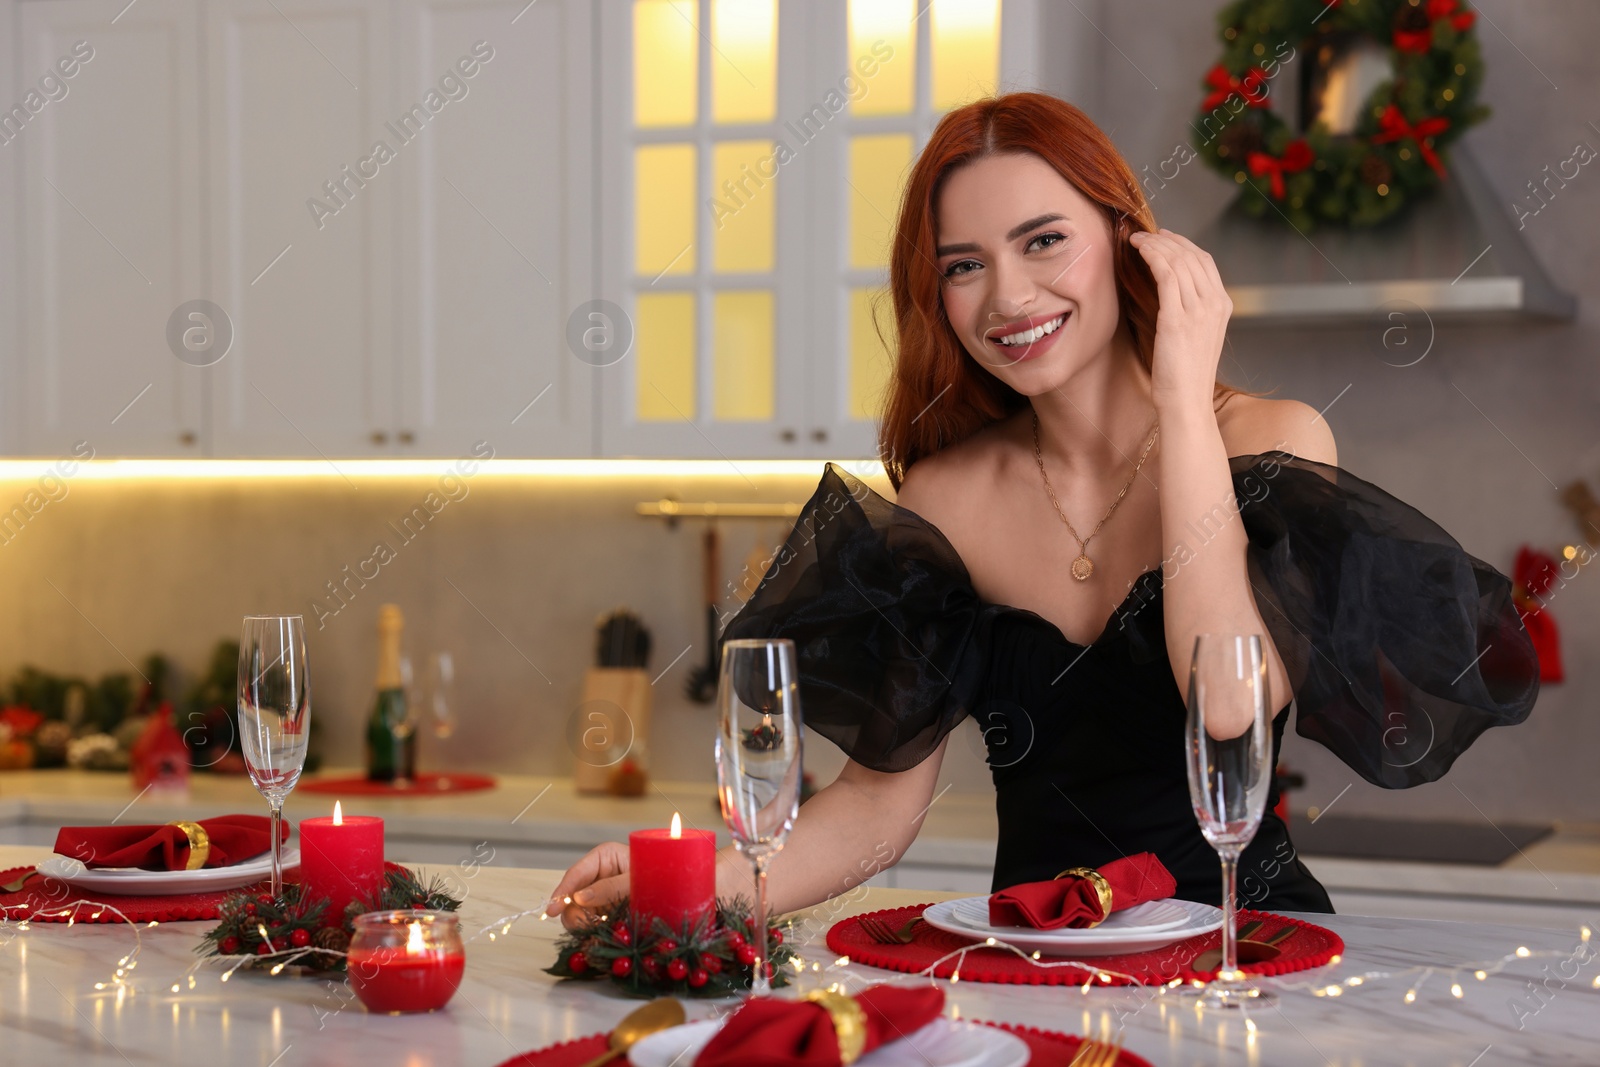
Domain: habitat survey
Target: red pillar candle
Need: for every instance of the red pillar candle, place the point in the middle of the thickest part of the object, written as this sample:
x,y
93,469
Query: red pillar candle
x,y
341,859
672,874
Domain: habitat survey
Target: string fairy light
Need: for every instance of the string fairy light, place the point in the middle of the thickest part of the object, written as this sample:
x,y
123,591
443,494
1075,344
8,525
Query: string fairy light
x,y
70,913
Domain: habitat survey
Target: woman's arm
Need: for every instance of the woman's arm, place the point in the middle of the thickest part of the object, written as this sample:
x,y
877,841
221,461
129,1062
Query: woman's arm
x,y
1205,580
848,832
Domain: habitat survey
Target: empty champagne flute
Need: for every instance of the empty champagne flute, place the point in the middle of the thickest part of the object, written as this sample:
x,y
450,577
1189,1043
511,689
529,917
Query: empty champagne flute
x,y
441,693
759,762
274,715
1230,768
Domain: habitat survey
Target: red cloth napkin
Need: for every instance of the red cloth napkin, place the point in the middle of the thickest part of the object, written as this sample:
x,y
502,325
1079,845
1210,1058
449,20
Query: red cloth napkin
x,y
1073,901
768,1032
166,848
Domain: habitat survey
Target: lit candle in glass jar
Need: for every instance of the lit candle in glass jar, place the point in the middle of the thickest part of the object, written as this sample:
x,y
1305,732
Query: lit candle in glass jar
x,y
406,961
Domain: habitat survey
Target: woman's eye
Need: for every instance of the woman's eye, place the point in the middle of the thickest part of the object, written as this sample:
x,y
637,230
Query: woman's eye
x,y
1045,240
960,267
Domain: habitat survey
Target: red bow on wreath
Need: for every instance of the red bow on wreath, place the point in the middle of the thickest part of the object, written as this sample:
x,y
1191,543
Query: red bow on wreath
x,y
1419,41
1394,127
1223,85
1296,157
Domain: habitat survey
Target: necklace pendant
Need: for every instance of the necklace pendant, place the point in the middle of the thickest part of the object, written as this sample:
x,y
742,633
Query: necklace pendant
x,y
1082,567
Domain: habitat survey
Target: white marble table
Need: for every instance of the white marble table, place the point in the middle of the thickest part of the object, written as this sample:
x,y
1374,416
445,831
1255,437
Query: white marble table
x,y
50,1012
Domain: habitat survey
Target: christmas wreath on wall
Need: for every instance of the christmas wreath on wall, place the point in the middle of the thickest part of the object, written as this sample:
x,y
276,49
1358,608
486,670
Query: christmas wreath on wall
x,y
1348,161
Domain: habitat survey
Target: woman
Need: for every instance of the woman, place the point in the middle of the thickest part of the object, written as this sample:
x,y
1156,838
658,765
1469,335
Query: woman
x,y
1063,453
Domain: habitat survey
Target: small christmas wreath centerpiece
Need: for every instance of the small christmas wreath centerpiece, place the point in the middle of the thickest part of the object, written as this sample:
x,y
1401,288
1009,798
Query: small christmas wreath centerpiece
x,y
1385,86
709,957
298,931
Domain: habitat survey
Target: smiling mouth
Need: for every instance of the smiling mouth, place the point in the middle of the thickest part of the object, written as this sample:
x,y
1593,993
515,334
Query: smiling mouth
x,y
1028,337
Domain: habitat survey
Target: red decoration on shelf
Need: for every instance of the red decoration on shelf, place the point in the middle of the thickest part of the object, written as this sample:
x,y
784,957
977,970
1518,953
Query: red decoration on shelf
x,y
1535,572
1296,157
159,759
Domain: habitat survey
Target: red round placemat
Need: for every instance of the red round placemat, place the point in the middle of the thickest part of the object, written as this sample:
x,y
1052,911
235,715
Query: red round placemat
x,y
423,785
50,900
1048,1048
1309,946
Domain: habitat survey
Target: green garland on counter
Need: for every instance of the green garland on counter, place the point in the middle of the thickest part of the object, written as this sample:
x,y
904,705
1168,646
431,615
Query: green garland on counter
x,y
710,957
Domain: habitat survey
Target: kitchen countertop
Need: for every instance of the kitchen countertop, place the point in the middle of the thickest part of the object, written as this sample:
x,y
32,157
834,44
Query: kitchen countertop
x,y
958,831
53,1014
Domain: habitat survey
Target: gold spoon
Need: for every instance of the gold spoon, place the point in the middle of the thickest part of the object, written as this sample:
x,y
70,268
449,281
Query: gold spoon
x,y
1248,951
660,1014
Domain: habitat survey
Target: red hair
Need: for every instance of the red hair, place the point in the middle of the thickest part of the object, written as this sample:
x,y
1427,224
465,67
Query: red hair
x,y
939,395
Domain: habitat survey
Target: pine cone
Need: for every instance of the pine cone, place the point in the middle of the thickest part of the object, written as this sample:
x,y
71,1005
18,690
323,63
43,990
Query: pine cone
x,y
1411,19
331,938
1238,141
1375,170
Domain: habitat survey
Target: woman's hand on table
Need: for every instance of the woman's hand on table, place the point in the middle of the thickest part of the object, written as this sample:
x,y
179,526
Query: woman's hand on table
x,y
598,879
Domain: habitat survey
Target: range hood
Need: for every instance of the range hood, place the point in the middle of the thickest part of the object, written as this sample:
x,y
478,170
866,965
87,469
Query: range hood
x,y
1456,255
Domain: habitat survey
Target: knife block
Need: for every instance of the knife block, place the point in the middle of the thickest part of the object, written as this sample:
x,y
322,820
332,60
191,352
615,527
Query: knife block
x,y
615,712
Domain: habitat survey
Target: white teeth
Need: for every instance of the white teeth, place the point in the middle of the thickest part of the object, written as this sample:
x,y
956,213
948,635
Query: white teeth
x,y
1027,337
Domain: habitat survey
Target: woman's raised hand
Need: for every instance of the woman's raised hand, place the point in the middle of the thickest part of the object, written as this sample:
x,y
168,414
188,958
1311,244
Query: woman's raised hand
x,y
1192,322
596,880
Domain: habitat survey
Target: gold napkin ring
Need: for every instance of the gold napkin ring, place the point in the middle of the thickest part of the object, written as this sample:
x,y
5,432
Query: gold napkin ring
x,y
199,843
849,1021
1101,887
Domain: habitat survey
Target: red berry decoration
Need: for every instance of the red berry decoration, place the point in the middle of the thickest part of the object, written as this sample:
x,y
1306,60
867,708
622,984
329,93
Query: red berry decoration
x,y
300,938
228,946
776,936
251,908
263,948
622,966
698,978
666,946
652,968
263,898
577,963
677,970
736,940
621,932
712,964
745,955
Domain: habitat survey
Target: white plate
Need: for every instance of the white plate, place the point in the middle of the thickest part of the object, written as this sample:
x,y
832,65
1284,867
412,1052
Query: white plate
x,y
942,1043
1202,918
1148,917
133,881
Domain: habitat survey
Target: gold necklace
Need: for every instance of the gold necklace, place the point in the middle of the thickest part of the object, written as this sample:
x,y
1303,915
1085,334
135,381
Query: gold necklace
x,y
1083,566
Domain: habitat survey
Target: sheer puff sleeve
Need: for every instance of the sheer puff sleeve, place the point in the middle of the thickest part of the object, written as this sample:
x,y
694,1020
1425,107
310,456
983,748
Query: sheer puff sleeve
x,y
885,622
1401,648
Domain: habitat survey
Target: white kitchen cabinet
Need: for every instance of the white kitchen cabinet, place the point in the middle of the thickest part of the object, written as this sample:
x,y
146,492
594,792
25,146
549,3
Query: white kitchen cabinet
x,y
108,169
301,245
495,228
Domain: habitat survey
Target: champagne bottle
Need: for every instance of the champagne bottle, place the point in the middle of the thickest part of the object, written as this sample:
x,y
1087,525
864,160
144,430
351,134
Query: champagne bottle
x,y
391,754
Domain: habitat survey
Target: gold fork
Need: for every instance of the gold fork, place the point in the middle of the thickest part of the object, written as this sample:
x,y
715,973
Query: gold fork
x,y
884,934
1094,1053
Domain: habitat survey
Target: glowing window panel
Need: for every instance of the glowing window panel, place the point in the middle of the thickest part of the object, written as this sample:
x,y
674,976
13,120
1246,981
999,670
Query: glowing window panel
x,y
883,56
664,206
744,187
666,47
878,167
665,378
871,361
742,356
744,60
965,52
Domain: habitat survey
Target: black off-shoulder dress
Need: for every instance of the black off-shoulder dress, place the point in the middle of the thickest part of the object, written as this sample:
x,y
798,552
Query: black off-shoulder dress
x,y
1401,648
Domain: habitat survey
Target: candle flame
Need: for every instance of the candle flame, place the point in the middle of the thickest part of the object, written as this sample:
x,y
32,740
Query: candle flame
x,y
338,814
414,945
677,826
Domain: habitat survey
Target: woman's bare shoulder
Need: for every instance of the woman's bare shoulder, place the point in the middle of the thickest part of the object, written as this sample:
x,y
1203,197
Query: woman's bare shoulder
x,y
1252,425
953,483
